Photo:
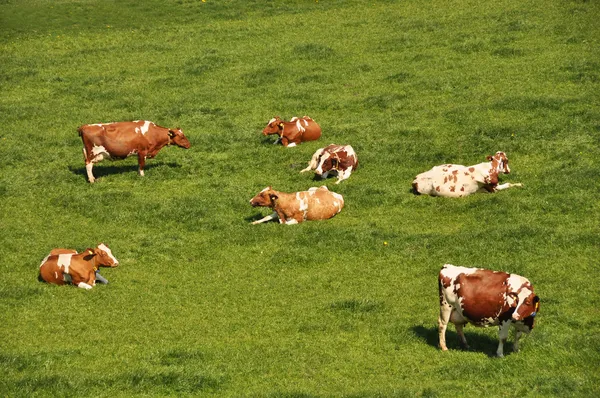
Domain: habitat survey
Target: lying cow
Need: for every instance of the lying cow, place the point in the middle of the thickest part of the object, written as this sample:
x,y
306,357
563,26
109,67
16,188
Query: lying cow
x,y
294,132
339,160
122,139
455,180
293,208
485,298
64,266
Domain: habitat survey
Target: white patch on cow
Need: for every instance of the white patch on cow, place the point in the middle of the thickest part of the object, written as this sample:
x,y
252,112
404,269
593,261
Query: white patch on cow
x,y
305,122
312,189
99,153
64,260
294,119
272,120
349,150
55,275
293,144
300,127
105,248
291,221
303,204
44,260
145,127
338,196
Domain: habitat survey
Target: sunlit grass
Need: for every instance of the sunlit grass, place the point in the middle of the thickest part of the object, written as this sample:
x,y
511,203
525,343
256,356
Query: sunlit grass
x,y
204,303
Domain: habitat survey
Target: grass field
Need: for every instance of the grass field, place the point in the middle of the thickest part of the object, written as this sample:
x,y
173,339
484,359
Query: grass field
x,y
204,303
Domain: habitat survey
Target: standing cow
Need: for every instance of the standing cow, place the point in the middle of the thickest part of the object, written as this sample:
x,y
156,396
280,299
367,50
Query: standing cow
x,y
64,266
455,180
122,139
294,208
339,160
294,132
485,298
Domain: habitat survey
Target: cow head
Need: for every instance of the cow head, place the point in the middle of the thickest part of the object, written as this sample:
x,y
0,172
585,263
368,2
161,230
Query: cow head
x,y
327,163
102,255
264,198
499,162
177,137
273,126
527,306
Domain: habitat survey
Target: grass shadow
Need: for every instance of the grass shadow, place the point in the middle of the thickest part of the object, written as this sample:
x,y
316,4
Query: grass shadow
x,y
103,171
478,342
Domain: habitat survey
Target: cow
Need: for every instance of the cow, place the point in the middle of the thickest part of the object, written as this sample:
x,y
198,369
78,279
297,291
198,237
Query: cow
x,y
485,298
294,208
122,139
64,266
294,132
339,160
455,180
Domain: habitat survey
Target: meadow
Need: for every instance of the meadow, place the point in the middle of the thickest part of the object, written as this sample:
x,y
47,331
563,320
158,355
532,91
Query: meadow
x,y
206,304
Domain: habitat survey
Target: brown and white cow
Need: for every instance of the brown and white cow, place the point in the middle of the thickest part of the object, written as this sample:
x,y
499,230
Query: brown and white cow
x,y
455,180
485,298
122,139
64,266
339,160
294,132
293,208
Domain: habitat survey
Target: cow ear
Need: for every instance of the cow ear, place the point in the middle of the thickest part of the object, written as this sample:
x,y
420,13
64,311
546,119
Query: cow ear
x,y
273,197
171,133
489,157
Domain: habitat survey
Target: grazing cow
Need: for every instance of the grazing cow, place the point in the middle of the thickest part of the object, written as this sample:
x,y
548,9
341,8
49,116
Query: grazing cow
x,y
293,208
455,180
485,298
122,139
63,266
294,132
340,160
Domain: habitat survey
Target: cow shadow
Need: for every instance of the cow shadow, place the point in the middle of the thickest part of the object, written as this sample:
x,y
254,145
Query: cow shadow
x,y
104,171
478,342
270,140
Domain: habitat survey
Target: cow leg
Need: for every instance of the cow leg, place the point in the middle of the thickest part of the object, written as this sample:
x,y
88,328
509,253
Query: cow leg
x,y
344,175
88,166
141,162
461,335
84,285
506,186
444,318
265,219
502,336
518,335
100,278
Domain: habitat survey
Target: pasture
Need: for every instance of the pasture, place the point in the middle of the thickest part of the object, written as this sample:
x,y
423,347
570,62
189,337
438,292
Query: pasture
x,y
206,304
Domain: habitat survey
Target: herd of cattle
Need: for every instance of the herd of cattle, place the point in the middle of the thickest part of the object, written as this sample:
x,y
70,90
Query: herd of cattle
x,y
467,295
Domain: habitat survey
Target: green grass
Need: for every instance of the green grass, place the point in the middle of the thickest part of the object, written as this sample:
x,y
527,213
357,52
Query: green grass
x,y
204,303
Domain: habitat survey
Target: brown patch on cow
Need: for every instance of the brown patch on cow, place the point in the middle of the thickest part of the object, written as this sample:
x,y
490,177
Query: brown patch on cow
x,y
445,180
437,188
483,293
462,189
452,188
471,169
